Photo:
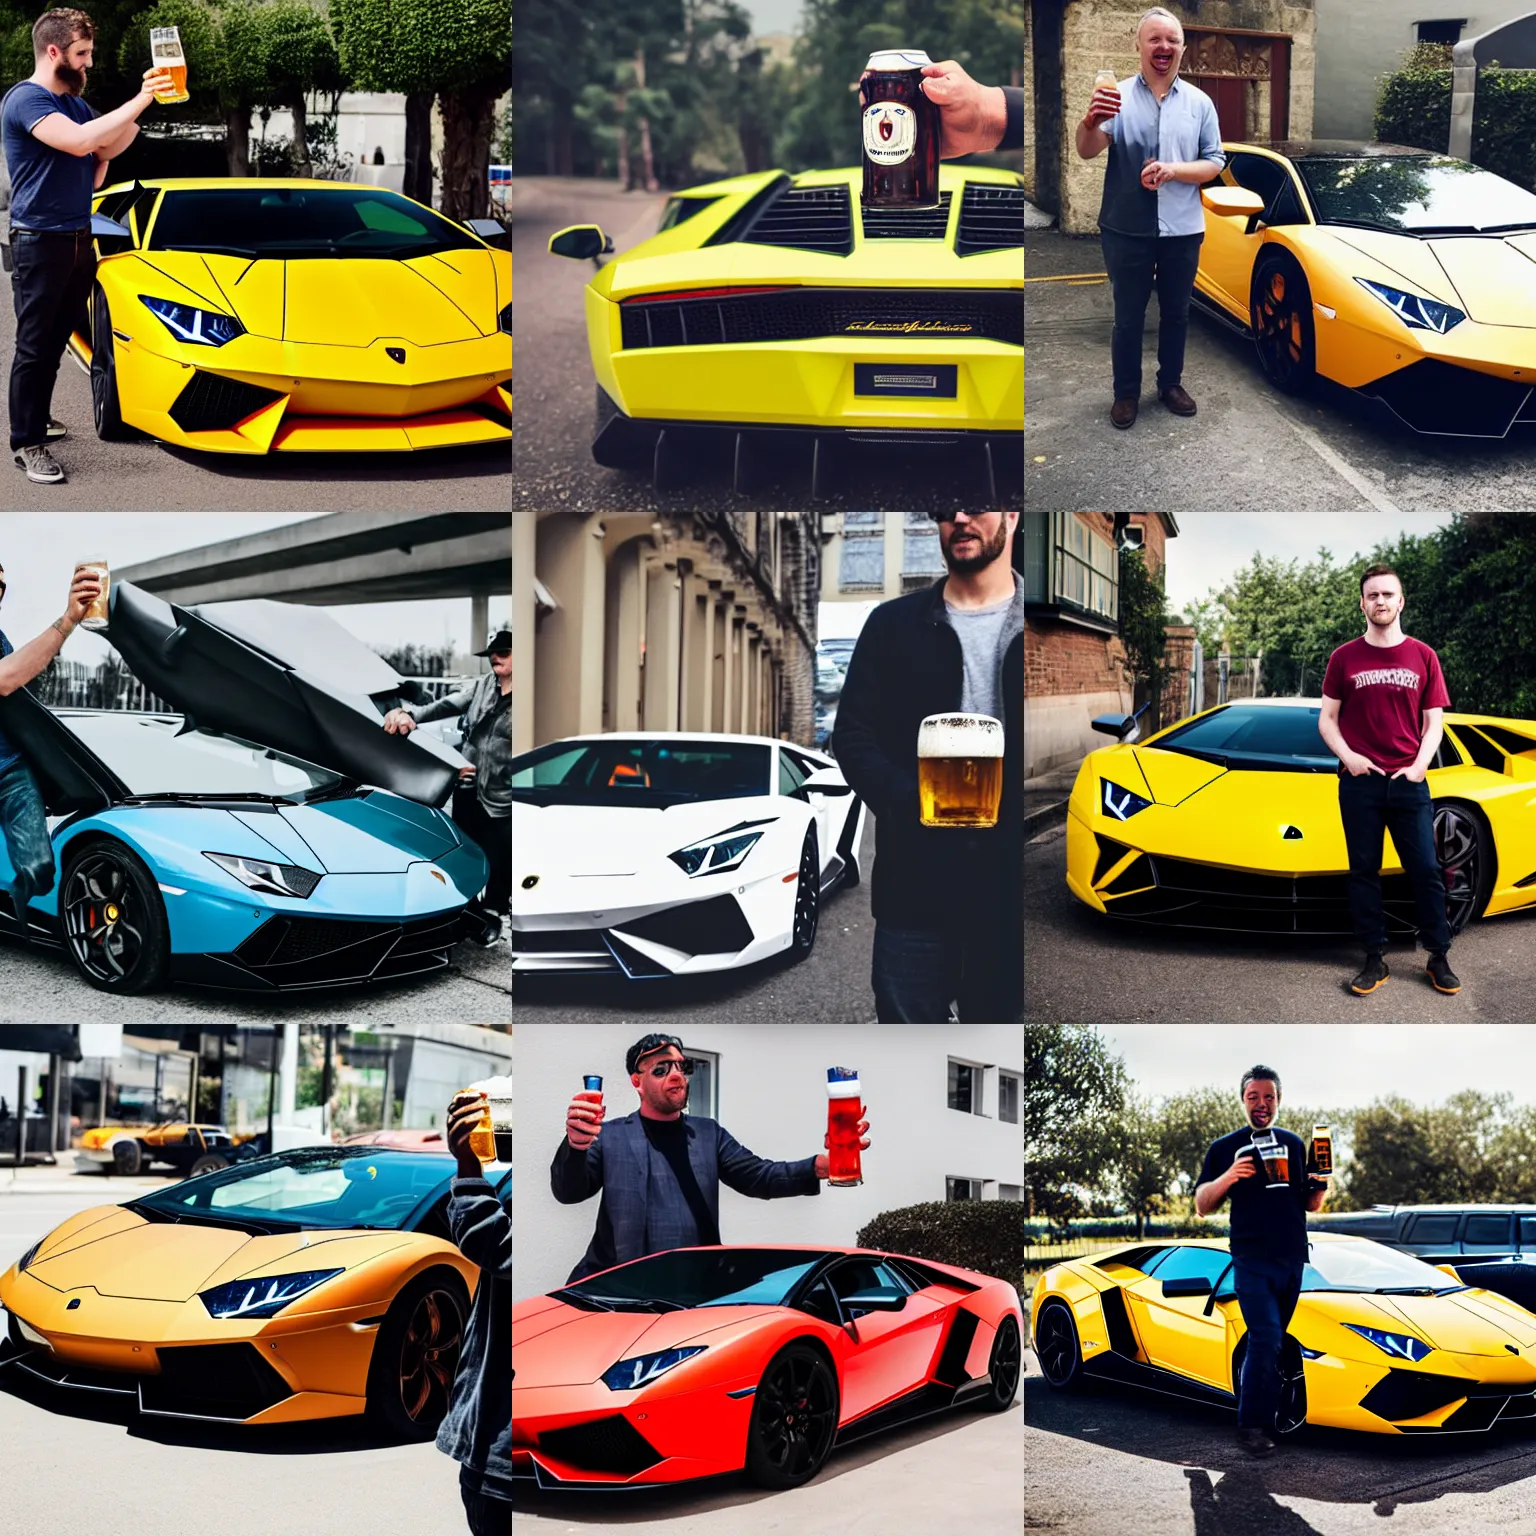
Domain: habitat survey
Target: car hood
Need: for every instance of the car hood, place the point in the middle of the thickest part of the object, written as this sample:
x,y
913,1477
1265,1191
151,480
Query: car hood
x,y
367,835
564,1346
580,841
284,675
1467,1323
117,1252
345,302
1491,280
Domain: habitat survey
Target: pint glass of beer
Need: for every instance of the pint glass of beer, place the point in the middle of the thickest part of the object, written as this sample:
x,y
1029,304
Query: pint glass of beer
x,y
165,52
96,614
845,1108
959,770
1275,1158
1322,1151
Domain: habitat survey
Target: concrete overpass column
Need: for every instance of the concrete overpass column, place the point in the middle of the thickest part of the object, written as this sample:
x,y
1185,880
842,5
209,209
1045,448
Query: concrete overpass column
x,y
524,667
662,647
480,625
696,611
288,1074
625,638
719,616
569,700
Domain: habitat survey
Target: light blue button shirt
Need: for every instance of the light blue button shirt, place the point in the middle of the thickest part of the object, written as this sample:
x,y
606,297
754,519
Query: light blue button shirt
x,y
1182,126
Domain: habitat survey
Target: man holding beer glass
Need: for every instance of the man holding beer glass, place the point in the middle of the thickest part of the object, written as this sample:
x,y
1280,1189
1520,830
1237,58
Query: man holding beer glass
x,y
930,733
57,150
1263,1169
23,821
660,1173
1163,142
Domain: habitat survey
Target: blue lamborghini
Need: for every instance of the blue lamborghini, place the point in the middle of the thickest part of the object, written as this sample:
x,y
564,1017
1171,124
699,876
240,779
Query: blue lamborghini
x,y
264,833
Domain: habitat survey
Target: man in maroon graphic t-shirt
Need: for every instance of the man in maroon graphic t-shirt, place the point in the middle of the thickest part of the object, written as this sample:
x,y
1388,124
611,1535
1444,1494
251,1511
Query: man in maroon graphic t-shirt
x,y
1383,698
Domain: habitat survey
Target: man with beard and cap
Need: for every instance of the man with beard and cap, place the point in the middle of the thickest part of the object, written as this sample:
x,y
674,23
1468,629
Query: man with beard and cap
x,y
1268,1245
482,803
57,150
660,1172
948,902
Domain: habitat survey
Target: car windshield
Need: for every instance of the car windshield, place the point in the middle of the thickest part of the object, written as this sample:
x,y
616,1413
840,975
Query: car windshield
x,y
310,1187
629,771
1256,736
293,223
151,756
1367,1266
696,1277
1416,194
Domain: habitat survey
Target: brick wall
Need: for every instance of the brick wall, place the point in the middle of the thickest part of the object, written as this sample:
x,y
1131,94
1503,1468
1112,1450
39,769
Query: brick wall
x,y
1063,658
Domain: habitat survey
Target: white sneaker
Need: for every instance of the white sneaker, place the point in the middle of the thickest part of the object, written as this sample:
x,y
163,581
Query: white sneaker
x,y
40,465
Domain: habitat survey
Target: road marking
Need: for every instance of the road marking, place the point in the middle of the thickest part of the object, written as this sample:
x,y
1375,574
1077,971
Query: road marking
x,y
1340,466
1071,277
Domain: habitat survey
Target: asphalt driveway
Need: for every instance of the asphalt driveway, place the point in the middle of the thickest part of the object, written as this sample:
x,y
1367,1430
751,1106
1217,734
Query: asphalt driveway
x,y
1083,966
1250,448
1108,1461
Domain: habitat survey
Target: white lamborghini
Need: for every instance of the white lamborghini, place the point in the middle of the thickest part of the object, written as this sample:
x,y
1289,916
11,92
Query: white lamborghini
x,y
668,854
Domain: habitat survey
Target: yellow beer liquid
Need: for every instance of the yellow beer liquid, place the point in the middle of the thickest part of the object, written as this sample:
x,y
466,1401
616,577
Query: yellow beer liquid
x,y
959,791
482,1141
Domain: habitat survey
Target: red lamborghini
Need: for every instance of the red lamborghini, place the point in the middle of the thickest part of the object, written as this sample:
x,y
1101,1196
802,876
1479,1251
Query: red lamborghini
x,y
705,1361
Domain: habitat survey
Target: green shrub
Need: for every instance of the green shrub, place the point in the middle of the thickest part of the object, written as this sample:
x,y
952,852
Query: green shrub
x,y
984,1235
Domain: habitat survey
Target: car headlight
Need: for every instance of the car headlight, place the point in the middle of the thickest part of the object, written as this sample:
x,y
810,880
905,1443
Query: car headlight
x,y
197,327
1310,1354
262,875
1120,803
1413,309
642,1369
504,319
262,1298
712,855
29,1255
1401,1345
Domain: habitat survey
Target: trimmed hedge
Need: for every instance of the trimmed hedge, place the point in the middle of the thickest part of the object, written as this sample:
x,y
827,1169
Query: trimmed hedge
x,y
1413,107
984,1235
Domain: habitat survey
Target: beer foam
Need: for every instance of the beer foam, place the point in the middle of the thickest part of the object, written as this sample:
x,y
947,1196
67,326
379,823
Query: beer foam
x,y
493,1087
960,736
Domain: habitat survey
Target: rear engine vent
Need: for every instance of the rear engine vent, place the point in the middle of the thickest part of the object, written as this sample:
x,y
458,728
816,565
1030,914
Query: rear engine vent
x,y
991,219
907,223
806,219
212,403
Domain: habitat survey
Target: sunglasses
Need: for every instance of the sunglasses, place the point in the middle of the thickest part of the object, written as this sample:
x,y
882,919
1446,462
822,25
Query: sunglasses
x,y
666,1068
949,517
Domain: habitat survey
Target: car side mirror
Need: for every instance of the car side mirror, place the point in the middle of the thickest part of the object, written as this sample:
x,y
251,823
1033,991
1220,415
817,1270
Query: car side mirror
x,y
1187,1285
492,231
111,237
1125,728
879,1298
581,242
825,781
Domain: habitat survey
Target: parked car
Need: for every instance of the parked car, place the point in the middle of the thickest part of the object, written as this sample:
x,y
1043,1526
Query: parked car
x,y
1440,1232
129,1149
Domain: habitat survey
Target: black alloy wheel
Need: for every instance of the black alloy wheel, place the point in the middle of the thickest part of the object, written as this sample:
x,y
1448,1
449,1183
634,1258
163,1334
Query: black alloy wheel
x,y
1280,312
106,405
1461,848
416,1356
113,920
1004,1367
1292,1412
1057,1348
209,1162
807,896
794,1418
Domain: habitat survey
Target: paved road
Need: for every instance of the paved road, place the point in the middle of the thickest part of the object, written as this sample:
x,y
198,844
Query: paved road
x,y
961,1472
1249,449
146,476
43,986
1110,1461
1080,966
553,416
832,986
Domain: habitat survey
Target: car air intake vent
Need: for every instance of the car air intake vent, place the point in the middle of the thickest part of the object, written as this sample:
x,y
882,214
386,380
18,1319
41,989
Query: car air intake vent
x,y
212,1381
212,403
806,219
991,219
907,223
610,1445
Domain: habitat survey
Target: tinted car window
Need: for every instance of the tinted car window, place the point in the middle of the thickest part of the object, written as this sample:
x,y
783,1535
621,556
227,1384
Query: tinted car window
x,y
866,1275
621,771
1258,173
1418,192
1486,1229
1181,1263
1482,751
791,774
1527,1229
1431,1229
1256,735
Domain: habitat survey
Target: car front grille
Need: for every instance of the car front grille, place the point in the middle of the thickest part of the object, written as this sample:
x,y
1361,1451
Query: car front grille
x,y
288,951
712,927
1412,1394
603,1445
798,314
211,403
214,1381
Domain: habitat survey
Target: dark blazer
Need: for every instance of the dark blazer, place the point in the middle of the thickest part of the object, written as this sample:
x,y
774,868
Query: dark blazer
x,y
619,1164
907,665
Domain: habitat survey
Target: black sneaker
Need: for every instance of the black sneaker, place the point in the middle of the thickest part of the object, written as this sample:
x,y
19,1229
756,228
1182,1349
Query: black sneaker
x,y
56,430
1441,977
1373,976
40,465
1256,1442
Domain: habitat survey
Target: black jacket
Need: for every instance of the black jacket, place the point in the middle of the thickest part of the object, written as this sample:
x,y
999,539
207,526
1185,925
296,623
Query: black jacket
x,y
907,665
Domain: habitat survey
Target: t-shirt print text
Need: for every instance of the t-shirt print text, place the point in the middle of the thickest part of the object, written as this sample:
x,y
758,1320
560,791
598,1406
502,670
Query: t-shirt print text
x,y
1394,677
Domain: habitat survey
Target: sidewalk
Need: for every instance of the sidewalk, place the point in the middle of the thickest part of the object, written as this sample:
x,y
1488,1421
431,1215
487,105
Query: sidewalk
x,y
1045,799
63,1179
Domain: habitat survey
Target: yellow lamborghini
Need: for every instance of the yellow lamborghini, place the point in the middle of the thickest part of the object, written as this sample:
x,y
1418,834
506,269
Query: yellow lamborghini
x,y
286,316
1230,819
774,316
313,1284
1379,1341
1399,273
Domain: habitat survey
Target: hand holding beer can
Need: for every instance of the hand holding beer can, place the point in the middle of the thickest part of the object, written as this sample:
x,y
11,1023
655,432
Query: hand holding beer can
x,y
901,132
96,613
166,53
959,770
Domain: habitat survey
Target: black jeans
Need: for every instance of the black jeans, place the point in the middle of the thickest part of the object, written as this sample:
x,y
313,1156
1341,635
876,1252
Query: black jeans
x,y
1266,1294
486,1516
1372,804
50,286
493,834
918,972
1136,265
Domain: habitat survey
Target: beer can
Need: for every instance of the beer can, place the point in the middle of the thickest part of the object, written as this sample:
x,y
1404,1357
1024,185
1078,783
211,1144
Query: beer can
x,y
900,132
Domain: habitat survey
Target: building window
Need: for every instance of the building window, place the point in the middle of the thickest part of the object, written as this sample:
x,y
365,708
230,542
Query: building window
x,y
1010,1191
922,561
1087,569
1447,33
704,1085
862,558
965,1087
962,1189
1008,1098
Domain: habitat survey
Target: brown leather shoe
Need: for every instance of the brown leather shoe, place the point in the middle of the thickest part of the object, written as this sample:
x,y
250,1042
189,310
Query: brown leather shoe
x,y
1178,400
1123,412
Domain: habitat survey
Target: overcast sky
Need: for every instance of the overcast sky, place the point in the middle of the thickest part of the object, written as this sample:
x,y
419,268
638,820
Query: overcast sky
x,y
39,550
772,15
1330,1063
1212,545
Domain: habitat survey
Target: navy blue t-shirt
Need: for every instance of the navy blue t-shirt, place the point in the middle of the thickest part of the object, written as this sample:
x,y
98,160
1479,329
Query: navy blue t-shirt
x,y
50,190
1266,1223
8,753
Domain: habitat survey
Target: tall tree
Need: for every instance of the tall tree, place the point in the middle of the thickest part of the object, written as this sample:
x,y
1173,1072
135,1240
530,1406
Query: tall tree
x,y
1073,1088
299,57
